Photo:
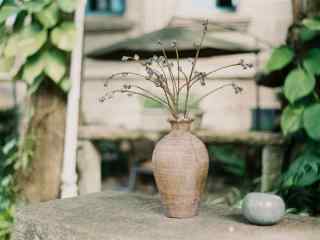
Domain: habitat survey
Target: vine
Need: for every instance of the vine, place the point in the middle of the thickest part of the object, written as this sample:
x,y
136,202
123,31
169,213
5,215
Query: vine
x,y
298,63
36,40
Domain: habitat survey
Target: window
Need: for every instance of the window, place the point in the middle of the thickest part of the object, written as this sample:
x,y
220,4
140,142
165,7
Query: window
x,y
226,4
106,7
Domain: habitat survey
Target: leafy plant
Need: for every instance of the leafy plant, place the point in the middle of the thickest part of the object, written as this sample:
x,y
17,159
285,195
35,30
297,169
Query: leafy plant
x,y
36,40
175,89
300,118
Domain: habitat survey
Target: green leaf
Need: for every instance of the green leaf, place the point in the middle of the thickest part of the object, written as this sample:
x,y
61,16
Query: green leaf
x,y
65,84
6,64
33,68
56,65
298,84
31,40
312,23
303,171
7,11
311,122
26,42
291,119
280,57
306,34
35,85
312,61
49,16
68,6
35,5
63,36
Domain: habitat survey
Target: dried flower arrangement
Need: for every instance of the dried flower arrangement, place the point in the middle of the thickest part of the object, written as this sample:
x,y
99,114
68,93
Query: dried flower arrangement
x,y
160,72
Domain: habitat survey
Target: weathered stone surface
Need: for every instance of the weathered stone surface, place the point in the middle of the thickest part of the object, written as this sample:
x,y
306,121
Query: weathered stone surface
x,y
121,216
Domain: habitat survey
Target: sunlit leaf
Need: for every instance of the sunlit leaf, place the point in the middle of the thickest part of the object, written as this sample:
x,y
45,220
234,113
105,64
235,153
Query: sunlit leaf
x,y
291,119
6,64
312,23
280,57
65,84
7,11
26,42
33,68
298,84
68,6
63,36
311,122
56,65
35,85
35,5
49,16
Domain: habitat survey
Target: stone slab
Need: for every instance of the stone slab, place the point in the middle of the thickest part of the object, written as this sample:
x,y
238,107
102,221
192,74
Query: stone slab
x,y
123,216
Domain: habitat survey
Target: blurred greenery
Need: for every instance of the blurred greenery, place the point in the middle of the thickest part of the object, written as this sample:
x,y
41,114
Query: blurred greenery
x,y
299,60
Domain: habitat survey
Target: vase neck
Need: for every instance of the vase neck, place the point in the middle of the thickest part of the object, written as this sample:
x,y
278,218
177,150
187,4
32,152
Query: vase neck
x,y
183,125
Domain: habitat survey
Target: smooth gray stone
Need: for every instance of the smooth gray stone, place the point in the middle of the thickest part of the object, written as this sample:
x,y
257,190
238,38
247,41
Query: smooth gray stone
x,y
263,208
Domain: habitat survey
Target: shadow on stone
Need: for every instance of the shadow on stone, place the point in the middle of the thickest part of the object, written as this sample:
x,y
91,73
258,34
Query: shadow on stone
x,y
238,218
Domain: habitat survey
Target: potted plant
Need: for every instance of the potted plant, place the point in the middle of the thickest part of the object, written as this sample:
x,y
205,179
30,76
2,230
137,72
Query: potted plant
x,y
180,159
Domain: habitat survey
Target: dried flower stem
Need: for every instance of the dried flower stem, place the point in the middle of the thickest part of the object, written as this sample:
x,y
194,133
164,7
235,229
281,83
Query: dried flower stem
x,y
161,75
191,73
213,91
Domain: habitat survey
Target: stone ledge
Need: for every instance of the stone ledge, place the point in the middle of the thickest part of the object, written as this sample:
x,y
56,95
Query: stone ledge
x,y
122,216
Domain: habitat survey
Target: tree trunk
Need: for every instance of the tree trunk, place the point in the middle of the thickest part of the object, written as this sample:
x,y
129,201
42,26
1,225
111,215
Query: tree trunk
x,y
47,125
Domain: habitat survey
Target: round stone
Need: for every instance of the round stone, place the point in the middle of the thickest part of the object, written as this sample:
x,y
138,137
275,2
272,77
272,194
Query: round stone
x,y
263,208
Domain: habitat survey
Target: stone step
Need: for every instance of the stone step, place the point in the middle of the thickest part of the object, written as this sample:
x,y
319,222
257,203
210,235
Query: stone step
x,y
123,216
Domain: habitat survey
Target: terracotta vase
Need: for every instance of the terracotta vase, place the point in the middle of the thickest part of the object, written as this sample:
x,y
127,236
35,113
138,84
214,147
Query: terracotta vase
x,y
180,164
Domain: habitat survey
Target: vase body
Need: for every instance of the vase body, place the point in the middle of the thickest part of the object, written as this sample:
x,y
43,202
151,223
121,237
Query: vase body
x,y
180,165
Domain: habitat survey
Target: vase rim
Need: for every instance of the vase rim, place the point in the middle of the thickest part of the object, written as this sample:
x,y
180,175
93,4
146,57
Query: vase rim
x,y
184,120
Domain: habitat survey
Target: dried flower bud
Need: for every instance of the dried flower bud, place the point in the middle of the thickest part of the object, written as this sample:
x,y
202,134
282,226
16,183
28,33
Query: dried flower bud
x,y
129,94
136,57
159,42
236,88
174,43
155,58
125,58
124,74
205,25
102,99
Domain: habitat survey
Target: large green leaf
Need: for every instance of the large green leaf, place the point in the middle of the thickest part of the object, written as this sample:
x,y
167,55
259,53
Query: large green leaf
x,y
305,34
311,121
33,68
312,61
7,11
291,119
303,171
312,23
31,41
11,48
56,65
68,6
280,57
26,42
65,84
49,16
6,64
63,36
35,5
299,83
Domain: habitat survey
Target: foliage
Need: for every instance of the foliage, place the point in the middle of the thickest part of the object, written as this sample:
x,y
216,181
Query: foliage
x,y
36,40
300,118
233,160
173,81
8,153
